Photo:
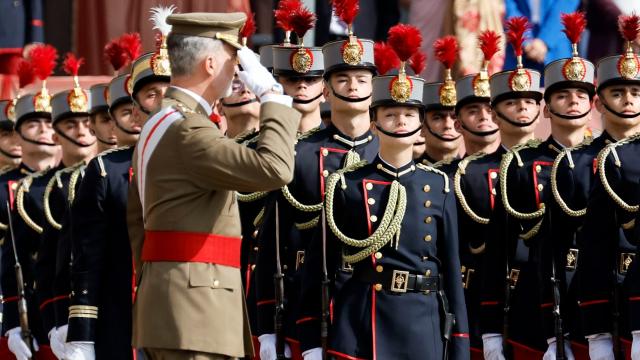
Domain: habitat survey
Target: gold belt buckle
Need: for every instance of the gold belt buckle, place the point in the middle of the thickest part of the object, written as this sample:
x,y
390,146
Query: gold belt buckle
x,y
399,281
572,259
466,278
299,258
625,261
513,277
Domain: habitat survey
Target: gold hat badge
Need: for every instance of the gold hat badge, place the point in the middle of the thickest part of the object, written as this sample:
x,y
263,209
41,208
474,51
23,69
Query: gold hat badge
x,y
43,60
446,51
301,20
574,23
489,42
520,79
629,65
352,49
160,64
405,40
77,98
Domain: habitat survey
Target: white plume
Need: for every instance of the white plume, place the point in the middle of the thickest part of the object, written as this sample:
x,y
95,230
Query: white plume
x,y
159,15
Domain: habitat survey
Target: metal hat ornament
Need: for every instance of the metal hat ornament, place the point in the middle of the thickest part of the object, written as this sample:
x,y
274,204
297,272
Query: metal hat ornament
x,y
489,42
160,64
446,51
629,65
77,99
43,59
352,50
302,20
286,9
26,76
248,29
516,27
405,40
574,23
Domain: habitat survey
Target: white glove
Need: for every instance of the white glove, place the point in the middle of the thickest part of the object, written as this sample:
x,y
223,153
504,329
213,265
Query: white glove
x,y
268,347
600,347
492,346
17,346
312,354
57,338
550,354
80,351
635,346
254,75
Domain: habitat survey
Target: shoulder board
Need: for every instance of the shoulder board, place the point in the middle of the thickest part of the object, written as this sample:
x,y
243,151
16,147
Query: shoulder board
x,y
586,142
103,171
443,162
6,169
531,144
183,109
247,136
353,167
308,133
436,171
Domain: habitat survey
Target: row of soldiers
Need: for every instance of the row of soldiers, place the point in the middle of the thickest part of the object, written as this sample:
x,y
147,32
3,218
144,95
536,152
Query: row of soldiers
x,y
519,249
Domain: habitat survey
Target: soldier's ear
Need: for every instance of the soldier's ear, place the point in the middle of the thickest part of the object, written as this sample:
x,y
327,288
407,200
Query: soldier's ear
x,y
599,105
545,111
55,138
219,107
210,65
457,125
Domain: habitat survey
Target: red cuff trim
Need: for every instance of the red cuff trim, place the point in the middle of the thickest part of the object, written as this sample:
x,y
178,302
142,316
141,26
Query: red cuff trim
x,y
305,319
9,299
462,335
634,298
37,22
57,298
592,302
546,305
292,340
489,303
266,302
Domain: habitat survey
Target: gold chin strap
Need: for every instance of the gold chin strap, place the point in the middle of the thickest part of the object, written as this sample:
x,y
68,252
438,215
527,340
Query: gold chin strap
x,y
602,158
504,167
457,178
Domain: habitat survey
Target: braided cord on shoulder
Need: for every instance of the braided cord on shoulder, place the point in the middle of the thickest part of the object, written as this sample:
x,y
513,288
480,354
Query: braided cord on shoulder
x,y
47,205
297,204
556,192
251,197
73,180
457,188
20,205
504,167
602,158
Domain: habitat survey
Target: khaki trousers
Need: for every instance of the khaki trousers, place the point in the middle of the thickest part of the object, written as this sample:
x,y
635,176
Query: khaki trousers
x,y
172,354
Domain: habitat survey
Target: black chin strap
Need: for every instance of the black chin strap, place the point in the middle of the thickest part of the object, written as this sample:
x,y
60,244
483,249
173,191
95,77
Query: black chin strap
x,y
300,101
515,123
238,104
126,131
35,141
440,137
479,133
394,135
618,114
348,99
10,156
71,140
141,108
568,117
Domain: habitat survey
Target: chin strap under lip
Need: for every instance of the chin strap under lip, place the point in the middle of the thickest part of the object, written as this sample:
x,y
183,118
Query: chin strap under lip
x,y
298,101
618,114
515,123
394,135
238,104
479,133
568,117
348,99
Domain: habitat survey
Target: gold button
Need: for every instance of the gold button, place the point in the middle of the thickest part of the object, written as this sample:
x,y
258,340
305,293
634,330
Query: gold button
x,y
216,283
284,267
538,168
379,166
427,238
255,248
369,186
253,267
427,220
463,269
370,137
255,234
427,203
426,188
541,206
373,218
427,273
494,175
493,191
378,255
325,152
540,187
325,173
14,186
371,201
378,287
379,268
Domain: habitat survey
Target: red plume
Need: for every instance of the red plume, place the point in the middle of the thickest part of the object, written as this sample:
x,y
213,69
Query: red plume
x,y
249,27
131,44
629,26
446,50
43,59
574,24
385,57
72,64
115,54
405,40
346,10
302,20
283,13
25,73
517,26
418,62
489,43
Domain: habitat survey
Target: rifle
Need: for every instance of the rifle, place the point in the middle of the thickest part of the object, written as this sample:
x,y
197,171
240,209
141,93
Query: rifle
x,y
555,282
618,352
278,280
507,291
324,322
448,320
25,332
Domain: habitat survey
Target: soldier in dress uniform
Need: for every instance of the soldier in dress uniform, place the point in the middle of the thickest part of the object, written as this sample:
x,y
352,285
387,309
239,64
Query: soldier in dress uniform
x,y
10,150
102,126
475,182
348,69
441,137
395,222
189,242
607,247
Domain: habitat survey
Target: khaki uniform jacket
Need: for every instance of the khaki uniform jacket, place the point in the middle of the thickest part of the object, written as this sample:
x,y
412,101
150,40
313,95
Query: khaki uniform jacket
x,y
190,182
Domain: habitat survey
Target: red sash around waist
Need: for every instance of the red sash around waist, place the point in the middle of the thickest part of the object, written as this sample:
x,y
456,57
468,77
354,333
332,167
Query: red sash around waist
x,y
182,246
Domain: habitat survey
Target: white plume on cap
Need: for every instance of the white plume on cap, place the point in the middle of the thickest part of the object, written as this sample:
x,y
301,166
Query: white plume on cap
x,y
159,15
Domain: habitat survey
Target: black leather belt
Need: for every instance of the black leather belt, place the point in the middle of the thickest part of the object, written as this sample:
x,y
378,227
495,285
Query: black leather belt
x,y
397,281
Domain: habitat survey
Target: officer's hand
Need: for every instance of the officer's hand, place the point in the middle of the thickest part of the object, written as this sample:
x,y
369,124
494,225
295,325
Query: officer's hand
x,y
551,352
635,346
80,351
268,347
17,346
600,347
255,76
57,338
312,354
492,346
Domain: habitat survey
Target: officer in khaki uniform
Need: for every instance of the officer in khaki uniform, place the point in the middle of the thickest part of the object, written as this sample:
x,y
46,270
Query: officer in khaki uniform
x,y
184,224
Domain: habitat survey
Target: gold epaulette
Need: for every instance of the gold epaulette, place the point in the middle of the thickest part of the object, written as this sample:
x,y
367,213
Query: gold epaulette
x,y
443,162
457,178
554,173
504,168
103,171
602,158
5,169
56,180
432,169
23,187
